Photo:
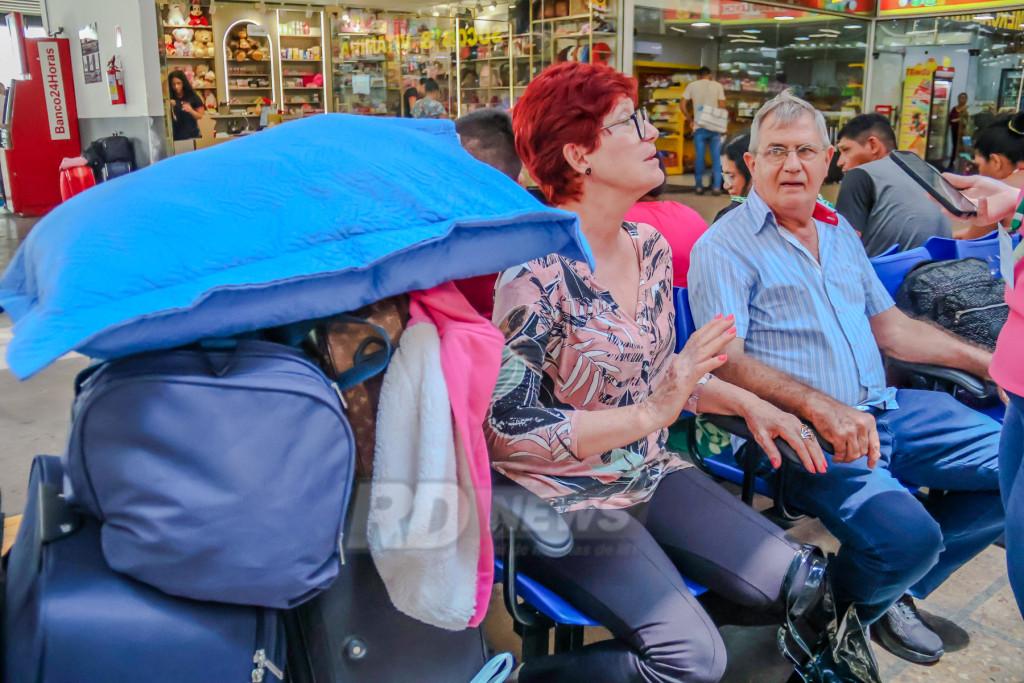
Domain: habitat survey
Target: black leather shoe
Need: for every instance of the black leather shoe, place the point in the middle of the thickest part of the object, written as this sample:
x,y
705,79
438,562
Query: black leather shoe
x,y
902,632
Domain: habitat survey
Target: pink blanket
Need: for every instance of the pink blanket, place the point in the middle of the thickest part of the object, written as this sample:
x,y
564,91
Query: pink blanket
x,y
470,359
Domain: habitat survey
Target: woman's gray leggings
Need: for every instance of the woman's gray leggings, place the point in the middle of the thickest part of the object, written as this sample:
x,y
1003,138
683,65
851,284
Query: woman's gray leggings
x,y
624,572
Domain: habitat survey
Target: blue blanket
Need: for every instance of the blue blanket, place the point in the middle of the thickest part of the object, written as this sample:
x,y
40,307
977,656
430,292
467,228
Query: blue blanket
x,y
304,220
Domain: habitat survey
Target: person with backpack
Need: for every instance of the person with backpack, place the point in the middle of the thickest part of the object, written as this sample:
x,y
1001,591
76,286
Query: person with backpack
x,y
999,201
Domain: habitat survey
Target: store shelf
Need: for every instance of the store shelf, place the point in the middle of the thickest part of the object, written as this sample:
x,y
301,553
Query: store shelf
x,y
238,87
203,87
312,88
595,34
362,60
491,59
248,61
177,58
317,36
300,61
194,28
571,17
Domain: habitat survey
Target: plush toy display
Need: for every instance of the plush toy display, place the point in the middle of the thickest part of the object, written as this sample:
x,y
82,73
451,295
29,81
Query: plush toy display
x,y
183,42
169,45
211,101
196,16
245,48
202,43
200,71
210,77
176,15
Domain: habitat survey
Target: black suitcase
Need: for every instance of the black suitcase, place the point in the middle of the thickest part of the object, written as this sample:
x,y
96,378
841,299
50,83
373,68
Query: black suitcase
x,y
69,618
351,633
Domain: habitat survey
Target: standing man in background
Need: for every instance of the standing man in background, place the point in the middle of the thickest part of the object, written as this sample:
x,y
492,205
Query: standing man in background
x,y
705,92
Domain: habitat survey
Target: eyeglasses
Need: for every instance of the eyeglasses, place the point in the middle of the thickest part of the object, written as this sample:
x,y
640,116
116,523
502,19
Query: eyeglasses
x,y
777,154
639,119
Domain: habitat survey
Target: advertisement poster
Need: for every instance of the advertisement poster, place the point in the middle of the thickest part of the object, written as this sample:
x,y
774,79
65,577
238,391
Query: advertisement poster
x,y
91,65
905,7
917,104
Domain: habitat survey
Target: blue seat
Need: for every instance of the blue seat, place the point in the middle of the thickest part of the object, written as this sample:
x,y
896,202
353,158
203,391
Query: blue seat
x,y
555,608
894,249
722,465
893,268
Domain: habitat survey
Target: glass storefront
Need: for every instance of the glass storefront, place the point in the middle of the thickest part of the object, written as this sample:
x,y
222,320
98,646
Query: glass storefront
x,y
938,59
755,51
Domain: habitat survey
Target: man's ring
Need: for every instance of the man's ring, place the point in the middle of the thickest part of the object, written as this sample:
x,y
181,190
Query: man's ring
x,y
806,433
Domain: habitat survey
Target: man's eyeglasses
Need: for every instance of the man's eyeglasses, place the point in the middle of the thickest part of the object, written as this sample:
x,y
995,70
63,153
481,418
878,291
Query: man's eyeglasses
x,y
1016,124
777,154
639,119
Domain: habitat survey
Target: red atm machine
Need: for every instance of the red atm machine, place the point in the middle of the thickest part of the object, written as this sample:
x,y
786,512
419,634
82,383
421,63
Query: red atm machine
x,y
40,123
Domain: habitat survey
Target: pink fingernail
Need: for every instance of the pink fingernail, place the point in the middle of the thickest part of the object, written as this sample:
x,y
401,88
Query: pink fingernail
x,y
723,358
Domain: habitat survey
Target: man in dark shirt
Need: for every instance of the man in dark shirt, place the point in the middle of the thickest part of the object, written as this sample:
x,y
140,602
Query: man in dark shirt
x,y
883,204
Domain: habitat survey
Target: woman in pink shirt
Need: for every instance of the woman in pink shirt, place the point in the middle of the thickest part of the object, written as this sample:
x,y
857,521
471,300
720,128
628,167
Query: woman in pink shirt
x,y
680,225
998,201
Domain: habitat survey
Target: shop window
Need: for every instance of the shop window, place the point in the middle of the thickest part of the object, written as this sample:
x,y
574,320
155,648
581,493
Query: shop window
x,y
755,52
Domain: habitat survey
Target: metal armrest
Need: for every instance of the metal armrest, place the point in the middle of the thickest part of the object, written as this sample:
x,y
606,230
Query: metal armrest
x,y
738,426
975,386
515,509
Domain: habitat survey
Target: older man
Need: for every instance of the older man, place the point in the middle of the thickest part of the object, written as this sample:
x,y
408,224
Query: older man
x,y
811,317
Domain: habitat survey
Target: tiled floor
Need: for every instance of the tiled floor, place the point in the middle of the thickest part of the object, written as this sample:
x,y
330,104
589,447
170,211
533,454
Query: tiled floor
x,y
974,611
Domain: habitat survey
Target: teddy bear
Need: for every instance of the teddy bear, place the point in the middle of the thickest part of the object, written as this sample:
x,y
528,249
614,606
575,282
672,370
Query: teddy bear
x,y
183,41
196,16
190,75
202,44
176,15
210,77
241,55
211,101
169,45
200,71
256,54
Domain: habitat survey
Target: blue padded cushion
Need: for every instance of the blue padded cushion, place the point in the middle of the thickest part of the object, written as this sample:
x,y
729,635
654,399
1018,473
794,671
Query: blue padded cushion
x,y
303,220
548,603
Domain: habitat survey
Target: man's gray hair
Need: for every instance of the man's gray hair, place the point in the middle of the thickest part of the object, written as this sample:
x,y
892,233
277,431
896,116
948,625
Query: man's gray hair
x,y
786,109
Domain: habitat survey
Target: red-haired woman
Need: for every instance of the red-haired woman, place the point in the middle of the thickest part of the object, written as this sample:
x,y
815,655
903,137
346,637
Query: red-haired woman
x,y
588,386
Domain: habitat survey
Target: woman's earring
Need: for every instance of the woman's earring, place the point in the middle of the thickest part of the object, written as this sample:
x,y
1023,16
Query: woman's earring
x,y
589,171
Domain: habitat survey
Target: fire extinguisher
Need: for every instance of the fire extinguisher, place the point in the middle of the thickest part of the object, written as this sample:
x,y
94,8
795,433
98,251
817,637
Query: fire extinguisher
x,y
115,81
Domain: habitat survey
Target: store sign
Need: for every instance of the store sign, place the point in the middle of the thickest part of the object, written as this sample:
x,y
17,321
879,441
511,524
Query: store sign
x,y
53,85
917,105
910,7
1004,20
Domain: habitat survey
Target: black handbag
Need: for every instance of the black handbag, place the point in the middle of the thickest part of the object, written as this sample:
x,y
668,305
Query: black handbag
x,y
352,633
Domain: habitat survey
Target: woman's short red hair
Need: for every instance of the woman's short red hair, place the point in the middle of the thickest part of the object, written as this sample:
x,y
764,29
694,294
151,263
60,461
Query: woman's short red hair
x,y
565,104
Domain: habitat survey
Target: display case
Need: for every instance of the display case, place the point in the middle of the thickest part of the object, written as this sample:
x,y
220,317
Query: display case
x,y
302,59
574,31
363,69
188,46
487,64
427,49
661,87
249,79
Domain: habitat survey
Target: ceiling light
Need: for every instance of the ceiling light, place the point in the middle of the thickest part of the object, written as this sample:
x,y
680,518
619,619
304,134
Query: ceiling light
x,y
785,17
751,30
677,29
822,35
828,31
801,38
492,7
853,27
983,17
701,24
